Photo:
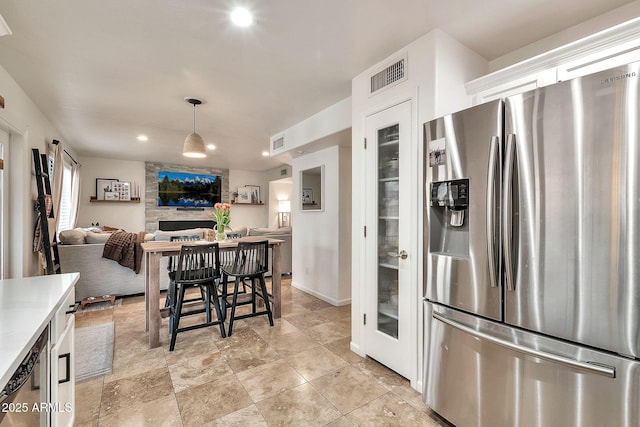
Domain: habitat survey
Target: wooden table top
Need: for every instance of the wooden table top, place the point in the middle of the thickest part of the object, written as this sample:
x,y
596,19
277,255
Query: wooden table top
x,y
161,246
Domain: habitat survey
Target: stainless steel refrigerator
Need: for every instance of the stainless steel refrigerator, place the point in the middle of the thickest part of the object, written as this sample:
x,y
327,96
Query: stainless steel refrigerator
x,y
532,257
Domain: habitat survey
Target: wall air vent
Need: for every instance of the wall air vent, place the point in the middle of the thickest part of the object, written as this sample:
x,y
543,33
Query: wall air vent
x,y
283,172
277,143
389,76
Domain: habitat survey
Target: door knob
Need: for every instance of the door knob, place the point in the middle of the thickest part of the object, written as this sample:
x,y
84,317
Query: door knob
x,y
402,255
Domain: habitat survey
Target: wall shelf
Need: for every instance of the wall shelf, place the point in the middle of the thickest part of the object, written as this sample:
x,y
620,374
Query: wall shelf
x,y
247,204
94,199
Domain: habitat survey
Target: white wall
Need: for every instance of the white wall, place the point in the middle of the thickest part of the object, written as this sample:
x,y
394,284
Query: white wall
x,y
319,250
249,215
28,128
128,216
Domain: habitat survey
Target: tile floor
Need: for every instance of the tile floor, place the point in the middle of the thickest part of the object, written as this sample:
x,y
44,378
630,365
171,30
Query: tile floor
x,y
298,373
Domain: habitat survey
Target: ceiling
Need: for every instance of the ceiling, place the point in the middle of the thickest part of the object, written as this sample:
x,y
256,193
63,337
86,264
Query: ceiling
x,y
105,71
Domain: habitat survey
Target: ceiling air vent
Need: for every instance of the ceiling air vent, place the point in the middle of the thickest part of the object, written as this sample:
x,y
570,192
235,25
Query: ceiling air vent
x,y
277,143
391,75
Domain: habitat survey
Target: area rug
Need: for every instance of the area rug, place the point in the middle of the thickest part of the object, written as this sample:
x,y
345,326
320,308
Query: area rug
x,y
93,351
99,306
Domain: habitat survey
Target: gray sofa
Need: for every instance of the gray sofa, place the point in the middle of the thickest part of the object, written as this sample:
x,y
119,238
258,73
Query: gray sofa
x,y
100,276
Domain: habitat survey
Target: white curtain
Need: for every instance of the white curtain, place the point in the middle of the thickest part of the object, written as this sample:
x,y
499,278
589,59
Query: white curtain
x,y
75,195
56,183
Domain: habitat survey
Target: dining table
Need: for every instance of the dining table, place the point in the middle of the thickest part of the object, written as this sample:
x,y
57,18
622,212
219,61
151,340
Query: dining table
x,y
153,251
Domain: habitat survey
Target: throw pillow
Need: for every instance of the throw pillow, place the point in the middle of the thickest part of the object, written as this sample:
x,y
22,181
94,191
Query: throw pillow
x,y
72,237
241,230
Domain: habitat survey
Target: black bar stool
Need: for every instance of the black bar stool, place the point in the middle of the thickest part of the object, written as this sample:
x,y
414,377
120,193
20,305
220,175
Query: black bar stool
x,y
251,262
173,262
197,265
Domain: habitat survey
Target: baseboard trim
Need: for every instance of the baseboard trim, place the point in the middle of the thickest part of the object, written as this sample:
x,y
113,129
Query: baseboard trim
x,y
323,297
355,348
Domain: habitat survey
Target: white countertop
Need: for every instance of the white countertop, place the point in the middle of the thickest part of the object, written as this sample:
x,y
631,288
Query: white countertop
x,y
26,307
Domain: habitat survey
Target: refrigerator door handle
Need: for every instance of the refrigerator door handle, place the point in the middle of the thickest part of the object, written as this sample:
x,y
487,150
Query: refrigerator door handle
x,y
491,210
507,212
591,367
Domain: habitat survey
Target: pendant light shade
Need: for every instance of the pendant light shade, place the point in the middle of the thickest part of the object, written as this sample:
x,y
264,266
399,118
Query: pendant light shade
x,y
194,144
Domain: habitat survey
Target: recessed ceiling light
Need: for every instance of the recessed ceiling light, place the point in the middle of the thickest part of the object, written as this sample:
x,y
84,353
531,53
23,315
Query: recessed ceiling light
x,y
211,146
265,153
241,17
142,138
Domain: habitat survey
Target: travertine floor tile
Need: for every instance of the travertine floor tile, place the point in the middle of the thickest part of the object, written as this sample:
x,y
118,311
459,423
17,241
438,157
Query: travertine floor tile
x,y
134,390
314,304
301,406
335,314
383,375
327,332
292,343
390,410
405,392
247,417
269,379
305,320
342,348
198,369
271,333
130,362
316,362
87,401
292,309
348,388
341,422
207,402
248,356
300,371
162,412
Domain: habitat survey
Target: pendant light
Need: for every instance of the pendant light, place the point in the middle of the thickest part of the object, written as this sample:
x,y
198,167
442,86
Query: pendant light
x,y
194,144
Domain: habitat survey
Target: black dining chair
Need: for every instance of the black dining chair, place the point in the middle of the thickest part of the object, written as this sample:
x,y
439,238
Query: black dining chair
x,y
250,262
197,265
171,265
227,257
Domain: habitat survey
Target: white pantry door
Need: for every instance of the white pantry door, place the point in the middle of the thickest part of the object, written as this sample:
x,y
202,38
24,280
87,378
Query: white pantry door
x,y
387,312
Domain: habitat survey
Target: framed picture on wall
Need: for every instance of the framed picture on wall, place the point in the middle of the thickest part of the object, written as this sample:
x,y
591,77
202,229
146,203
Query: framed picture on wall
x,y
104,185
244,195
307,196
254,195
123,188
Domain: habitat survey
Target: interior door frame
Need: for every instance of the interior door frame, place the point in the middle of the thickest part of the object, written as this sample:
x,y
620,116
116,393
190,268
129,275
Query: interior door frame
x,y
414,294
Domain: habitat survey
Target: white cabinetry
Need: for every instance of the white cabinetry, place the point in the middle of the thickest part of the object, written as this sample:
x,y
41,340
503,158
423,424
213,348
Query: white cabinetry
x,y
513,87
615,46
62,361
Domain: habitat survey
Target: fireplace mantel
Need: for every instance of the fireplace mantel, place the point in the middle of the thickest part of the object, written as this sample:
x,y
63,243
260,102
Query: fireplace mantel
x,y
174,225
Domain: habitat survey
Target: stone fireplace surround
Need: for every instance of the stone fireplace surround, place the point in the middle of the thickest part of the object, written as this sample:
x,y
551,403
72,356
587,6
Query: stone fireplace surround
x,y
154,214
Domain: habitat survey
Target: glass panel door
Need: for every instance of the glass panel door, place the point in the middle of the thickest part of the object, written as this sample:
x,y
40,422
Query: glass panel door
x,y
388,148
387,324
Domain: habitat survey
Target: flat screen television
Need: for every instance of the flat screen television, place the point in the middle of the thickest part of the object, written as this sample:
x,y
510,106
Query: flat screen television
x,y
188,189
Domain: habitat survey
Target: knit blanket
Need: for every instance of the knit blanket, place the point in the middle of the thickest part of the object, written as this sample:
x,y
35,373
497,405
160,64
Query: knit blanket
x,y
125,248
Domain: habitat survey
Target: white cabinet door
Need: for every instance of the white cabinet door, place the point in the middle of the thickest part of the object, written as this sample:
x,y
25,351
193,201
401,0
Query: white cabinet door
x,y
63,377
387,330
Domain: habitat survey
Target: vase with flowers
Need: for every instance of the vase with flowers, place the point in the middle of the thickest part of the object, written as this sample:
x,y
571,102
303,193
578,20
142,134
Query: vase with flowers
x,y
222,218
